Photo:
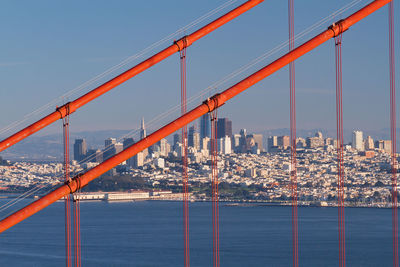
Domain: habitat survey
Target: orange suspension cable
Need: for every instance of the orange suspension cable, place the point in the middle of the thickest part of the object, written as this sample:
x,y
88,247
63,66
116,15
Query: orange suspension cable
x,y
182,52
293,170
393,135
340,154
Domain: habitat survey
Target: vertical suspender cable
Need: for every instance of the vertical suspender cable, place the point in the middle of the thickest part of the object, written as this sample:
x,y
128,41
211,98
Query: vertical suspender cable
x,y
77,228
182,53
214,184
67,198
293,170
340,154
393,134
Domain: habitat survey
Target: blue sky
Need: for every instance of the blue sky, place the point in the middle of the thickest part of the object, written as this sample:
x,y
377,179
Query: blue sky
x,y
50,47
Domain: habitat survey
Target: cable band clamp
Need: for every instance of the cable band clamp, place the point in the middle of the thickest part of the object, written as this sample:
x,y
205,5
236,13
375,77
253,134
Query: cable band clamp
x,y
340,27
67,110
77,180
214,99
184,43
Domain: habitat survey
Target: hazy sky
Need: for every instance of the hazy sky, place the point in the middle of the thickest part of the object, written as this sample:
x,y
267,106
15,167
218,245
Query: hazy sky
x,y
48,48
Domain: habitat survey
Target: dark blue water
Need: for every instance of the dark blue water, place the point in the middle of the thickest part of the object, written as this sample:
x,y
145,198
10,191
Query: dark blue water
x,y
149,233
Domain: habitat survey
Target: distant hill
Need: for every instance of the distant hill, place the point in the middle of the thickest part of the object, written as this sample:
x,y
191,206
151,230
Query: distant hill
x,y
50,147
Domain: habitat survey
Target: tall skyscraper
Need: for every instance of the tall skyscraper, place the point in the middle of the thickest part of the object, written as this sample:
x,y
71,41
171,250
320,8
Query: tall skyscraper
x,y
242,141
128,142
109,148
192,130
205,126
236,142
109,141
196,141
177,139
91,155
369,143
284,141
358,142
225,145
319,135
224,128
272,142
164,147
258,138
313,142
80,149
385,145
142,130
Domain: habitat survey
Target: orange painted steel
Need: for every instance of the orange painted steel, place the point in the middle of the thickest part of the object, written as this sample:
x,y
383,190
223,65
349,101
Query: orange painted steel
x,y
207,106
102,89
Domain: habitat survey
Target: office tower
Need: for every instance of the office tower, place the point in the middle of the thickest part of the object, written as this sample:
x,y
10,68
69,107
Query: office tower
x,y
127,142
284,141
225,145
250,143
196,141
328,141
385,145
301,142
138,160
314,142
358,140
118,147
113,149
164,147
369,143
109,141
99,156
258,138
235,142
319,135
177,139
80,149
205,144
192,130
142,130
91,155
205,126
224,128
242,141
272,142
109,148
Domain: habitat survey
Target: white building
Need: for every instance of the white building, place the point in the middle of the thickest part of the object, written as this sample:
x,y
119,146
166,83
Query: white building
x,y
159,163
358,142
225,145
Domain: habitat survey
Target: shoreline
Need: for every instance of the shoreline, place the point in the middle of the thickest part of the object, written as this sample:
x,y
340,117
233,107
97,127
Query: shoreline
x,y
118,197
